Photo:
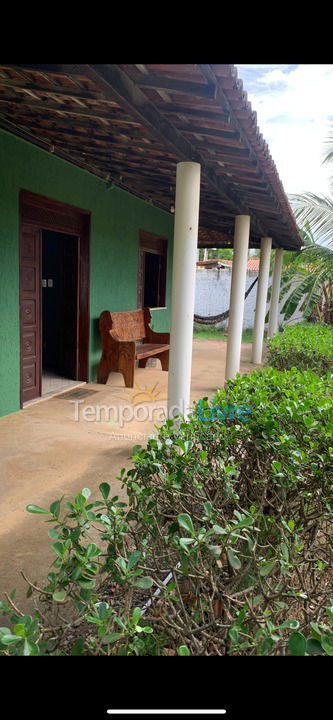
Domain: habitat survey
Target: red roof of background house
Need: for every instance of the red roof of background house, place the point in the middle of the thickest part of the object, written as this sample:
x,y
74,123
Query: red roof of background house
x,y
252,263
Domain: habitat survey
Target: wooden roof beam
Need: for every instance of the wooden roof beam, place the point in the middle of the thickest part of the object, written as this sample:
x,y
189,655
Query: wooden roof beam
x,y
156,82
42,106
228,135
55,69
213,114
49,89
116,84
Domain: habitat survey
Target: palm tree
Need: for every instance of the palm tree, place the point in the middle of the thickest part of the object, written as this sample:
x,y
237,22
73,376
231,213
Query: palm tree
x,y
311,269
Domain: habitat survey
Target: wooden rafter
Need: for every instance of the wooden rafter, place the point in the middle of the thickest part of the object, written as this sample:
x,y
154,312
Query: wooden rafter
x,y
115,83
131,124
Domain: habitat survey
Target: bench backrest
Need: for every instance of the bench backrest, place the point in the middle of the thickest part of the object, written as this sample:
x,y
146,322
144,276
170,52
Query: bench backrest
x,y
130,325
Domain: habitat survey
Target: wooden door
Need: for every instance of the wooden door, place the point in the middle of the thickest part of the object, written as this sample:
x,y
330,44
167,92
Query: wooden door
x,y
30,312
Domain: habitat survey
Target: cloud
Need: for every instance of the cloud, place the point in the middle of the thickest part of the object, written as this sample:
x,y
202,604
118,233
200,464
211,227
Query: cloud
x,y
274,76
294,108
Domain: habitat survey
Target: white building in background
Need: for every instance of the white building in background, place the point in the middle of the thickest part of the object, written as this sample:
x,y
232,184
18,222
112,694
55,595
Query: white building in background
x,y
212,291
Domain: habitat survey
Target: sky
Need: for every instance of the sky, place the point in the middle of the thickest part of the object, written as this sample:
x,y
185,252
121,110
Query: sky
x,y
294,106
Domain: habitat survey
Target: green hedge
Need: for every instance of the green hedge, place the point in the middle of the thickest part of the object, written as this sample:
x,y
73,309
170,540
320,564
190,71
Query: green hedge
x,y
236,503
303,346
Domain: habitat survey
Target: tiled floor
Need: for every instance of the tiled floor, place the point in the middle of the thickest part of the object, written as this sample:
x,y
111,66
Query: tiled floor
x,y
54,383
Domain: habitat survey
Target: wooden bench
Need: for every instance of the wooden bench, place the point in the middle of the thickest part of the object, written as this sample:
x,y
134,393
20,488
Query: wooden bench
x,y
120,332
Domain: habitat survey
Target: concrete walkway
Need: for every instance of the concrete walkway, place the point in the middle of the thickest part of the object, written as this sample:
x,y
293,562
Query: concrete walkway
x,y
47,452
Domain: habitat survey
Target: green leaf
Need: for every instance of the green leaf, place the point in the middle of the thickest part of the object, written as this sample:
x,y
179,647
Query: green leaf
x,y
297,644
59,549
327,644
19,629
315,630
86,493
30,648
148,629
266,646
9,638
53,534
219,530
266,569
292,624
105,490
122,564
233,634
185,542
87,584
215,550
246,522
137,612
59,596
92,550
285,552
144,583
102,609
234,560
208,507
78,646
313,647
36,510
185,521
113,637
133,559
183,650
55,508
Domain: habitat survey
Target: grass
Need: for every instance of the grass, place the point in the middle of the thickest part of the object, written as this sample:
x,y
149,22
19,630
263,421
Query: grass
x,y
207,332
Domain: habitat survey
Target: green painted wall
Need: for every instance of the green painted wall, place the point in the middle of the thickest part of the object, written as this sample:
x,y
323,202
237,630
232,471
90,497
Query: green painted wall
x,y
116,217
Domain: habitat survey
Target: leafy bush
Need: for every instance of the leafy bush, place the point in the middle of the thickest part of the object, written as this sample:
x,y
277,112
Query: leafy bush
x,y
303,346
226,546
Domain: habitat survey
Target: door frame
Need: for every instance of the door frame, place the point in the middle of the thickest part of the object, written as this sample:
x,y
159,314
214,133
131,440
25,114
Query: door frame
x,y
43,213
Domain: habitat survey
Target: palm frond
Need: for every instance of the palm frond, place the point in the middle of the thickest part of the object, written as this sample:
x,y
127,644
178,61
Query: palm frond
x,y
292,302
317,211
328,157
313,297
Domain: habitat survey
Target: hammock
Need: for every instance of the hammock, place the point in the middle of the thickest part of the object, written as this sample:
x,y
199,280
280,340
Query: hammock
x,y
213,319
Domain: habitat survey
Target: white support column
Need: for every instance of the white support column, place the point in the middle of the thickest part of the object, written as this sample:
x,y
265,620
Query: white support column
x,y
183,286
273,324
259,320
238,282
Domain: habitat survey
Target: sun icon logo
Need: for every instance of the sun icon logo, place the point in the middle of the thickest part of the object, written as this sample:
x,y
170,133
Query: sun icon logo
x,y
145,394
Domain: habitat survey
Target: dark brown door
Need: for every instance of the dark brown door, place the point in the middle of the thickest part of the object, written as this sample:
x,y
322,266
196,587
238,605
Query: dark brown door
x,y
30,319
38,215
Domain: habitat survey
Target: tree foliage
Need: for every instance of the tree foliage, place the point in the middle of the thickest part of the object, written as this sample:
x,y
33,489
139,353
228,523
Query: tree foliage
x,y
311,270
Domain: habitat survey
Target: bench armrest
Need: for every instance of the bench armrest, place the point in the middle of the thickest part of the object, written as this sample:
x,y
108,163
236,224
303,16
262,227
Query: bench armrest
x,y
156,337
152,336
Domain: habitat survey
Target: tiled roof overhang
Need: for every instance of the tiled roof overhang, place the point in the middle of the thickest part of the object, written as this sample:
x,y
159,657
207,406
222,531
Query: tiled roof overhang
x,y
131,125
